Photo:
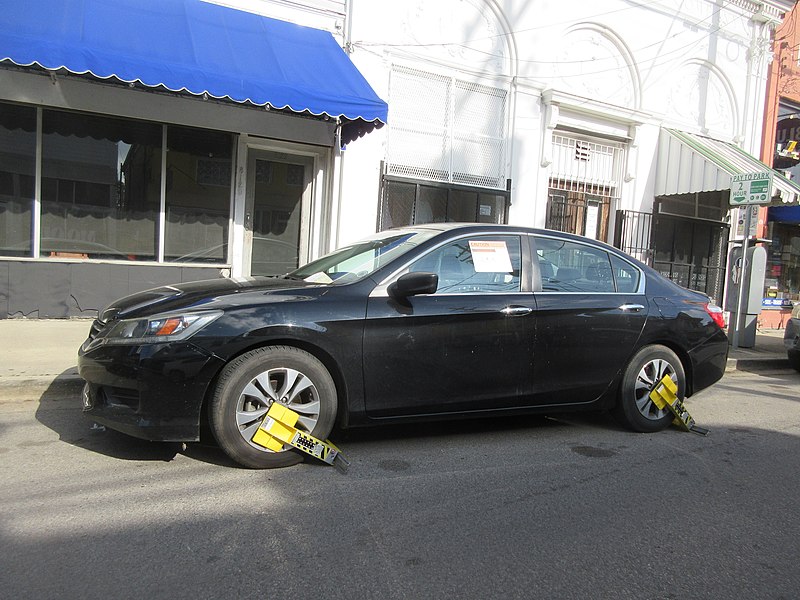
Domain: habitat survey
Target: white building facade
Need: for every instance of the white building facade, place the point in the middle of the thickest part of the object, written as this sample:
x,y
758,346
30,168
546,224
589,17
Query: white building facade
x,y
618,120
621,120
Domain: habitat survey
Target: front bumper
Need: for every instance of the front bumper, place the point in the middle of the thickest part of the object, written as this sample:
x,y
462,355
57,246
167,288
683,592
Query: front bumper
x,y
154,392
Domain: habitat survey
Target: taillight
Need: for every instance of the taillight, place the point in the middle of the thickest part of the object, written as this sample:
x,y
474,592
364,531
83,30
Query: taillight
x,y
715,312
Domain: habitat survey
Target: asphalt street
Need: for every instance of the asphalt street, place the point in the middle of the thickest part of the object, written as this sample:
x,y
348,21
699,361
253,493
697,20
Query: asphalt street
x,y
544,507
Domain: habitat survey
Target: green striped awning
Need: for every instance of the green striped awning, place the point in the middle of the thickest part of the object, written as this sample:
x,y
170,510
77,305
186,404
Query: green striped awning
x,y
689,163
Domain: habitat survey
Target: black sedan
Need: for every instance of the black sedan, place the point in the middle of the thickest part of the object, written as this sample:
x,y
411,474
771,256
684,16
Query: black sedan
x,y
427,322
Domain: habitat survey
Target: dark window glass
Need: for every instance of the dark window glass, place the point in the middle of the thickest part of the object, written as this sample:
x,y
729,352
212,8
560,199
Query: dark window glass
x,y
199,172
101,182
431,205
491,209
277,207
397,208
463,206
682,244
17,173
663,234
475,265
567,266
626,275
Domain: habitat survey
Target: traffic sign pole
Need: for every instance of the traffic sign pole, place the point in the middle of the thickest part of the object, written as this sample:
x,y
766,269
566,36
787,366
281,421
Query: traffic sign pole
x,y
747,189
737,322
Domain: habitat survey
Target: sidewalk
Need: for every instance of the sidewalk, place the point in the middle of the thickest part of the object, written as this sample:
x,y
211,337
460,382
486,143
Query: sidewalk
x,y
40,356
37,355
768,353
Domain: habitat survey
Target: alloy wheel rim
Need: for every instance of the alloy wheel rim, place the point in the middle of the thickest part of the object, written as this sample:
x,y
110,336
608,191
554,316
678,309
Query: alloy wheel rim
x,y
646,381
286,386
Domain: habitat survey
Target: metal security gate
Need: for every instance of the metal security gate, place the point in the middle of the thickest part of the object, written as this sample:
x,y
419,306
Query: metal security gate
x,y
406,201
690,252
632,234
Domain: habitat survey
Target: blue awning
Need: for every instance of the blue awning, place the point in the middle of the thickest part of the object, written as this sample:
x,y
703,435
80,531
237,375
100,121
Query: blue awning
x,y
194,47
784,214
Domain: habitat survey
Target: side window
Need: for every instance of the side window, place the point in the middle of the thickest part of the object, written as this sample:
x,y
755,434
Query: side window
x,y
567,266
625,274
475,265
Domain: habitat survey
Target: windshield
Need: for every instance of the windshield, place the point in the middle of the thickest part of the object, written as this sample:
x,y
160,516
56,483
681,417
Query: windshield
x,y
362,259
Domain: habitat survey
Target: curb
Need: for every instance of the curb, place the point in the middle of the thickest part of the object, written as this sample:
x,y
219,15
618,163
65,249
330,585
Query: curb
x,y
38,380
757,364
40,388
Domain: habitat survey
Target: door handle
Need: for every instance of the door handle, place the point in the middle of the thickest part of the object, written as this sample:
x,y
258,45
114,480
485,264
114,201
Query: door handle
x,y
631,307
516,311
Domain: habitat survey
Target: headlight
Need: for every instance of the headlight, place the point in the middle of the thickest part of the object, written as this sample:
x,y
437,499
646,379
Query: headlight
x,y
156,329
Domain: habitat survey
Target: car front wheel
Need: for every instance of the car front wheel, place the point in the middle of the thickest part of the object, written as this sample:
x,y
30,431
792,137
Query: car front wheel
x,y
646,369
251,383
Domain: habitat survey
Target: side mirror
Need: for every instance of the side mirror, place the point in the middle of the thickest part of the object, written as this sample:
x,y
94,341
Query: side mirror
x,y
413,284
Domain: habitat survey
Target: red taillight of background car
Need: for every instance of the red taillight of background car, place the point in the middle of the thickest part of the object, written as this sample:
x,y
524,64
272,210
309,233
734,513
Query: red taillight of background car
x,y
715,312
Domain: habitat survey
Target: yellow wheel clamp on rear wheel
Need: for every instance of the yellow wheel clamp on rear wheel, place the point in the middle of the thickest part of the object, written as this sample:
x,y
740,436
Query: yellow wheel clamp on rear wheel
x,y
278,429
665,395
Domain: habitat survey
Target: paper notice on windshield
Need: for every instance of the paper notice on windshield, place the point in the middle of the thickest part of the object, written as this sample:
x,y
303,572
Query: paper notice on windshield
x,y
490,257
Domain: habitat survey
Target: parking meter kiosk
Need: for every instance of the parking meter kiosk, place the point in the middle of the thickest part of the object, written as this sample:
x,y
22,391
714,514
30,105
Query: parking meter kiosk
x,y
752,271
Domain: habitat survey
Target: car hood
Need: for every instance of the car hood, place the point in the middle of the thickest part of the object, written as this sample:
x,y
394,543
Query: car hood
x,y
196,295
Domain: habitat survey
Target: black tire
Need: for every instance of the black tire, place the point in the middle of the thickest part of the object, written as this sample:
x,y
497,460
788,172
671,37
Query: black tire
x,y
251,383
794,359
648,366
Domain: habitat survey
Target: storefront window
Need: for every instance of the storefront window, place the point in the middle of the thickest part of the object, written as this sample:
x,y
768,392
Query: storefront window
x,y
100,187
783,259
782,283
17,178
198,195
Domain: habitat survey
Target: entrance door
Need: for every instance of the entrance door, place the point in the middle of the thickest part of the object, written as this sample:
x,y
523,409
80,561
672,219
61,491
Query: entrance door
x,y
277,209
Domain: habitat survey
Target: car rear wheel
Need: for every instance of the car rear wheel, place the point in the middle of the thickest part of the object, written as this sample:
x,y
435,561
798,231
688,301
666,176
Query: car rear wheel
x,y
251,383
646,369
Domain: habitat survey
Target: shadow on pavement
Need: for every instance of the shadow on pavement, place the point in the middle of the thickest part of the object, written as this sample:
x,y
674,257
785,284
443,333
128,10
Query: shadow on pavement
x,y
60,410
473,425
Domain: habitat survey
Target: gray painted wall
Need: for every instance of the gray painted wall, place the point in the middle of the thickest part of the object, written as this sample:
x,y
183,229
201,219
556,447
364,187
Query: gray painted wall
x,y
53,290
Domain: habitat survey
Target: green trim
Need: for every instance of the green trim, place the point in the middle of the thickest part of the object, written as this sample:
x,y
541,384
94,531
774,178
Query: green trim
x,y
775,173
705,150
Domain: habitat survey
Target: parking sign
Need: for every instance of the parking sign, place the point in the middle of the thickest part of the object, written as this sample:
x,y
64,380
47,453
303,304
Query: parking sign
x,y
751,188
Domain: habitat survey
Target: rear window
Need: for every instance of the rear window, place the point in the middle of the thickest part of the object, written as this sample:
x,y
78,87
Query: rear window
x,y
569,266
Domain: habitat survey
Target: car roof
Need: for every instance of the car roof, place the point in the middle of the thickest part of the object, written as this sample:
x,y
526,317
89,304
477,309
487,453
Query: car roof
x,y
502,228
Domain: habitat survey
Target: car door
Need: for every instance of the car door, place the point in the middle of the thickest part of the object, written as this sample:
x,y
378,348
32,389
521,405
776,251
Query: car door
x,y
590,312
454,350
